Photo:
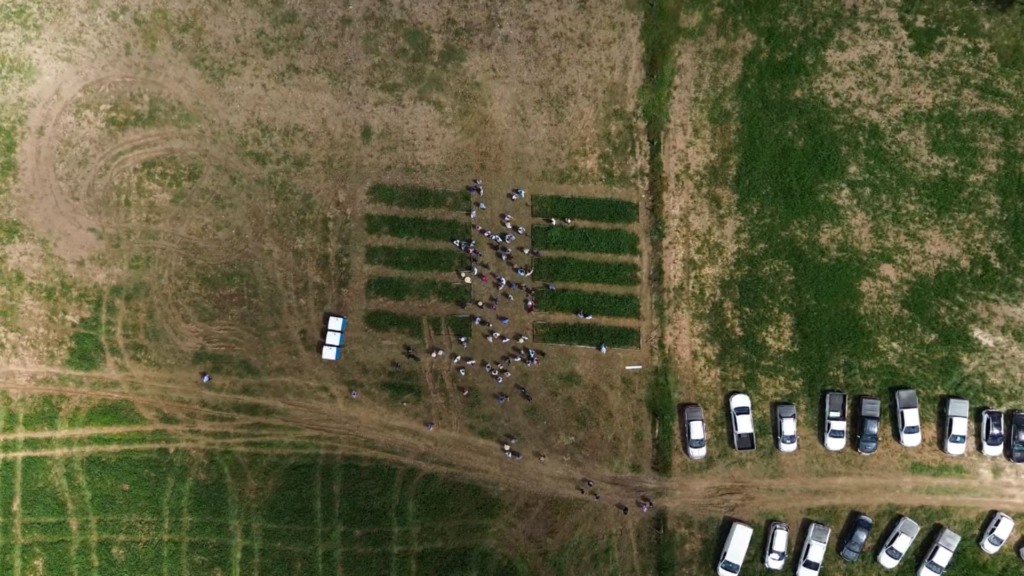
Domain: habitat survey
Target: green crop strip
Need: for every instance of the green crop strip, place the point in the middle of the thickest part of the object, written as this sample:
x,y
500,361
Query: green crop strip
x,y
416,259
549,269
596,303
409,227
394,288
576,239
591,209
587,335
417,197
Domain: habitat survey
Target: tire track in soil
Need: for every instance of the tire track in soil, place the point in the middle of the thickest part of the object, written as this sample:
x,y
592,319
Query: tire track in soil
x,y
16,520
61,473
165,532
90,516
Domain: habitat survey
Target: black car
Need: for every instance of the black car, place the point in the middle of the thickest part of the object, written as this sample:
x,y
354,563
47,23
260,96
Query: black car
x,y
1017,437
867,430
856,538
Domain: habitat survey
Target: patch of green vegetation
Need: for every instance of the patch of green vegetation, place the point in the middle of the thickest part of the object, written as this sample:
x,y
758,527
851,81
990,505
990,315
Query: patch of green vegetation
x,y
587,335
408,196
595,303
23,15
666,546
402,289
217,363
941,469
576,239
408,61
410,227
387,321
10,128
86,352
661,405
618,140
591,209
142,110
459,325
43,412
107,413
560,269
416,259
366,133
15,72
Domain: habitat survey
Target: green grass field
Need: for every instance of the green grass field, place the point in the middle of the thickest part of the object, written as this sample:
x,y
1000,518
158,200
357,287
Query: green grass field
x,y
401,289
416,228
577,239
417,197
563,269
416,259
589,209
595,303
587,334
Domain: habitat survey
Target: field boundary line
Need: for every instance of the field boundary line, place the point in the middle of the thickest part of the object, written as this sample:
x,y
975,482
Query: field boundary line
x,y
235,514
338,525
165,533
94,558
186,525
395,497
61,472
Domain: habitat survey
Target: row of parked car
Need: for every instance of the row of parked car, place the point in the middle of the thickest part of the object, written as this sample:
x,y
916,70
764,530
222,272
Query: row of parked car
x,y
835,434
892,551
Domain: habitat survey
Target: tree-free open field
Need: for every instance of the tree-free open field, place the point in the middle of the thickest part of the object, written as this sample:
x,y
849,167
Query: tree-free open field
x,y
775,198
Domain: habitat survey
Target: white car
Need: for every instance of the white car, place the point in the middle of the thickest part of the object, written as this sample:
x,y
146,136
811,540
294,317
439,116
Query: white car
x,y
775,549
696,432
909,418
992,438
958,412
996,533
785,424
940,555
813,553
898,542
742,422
735,550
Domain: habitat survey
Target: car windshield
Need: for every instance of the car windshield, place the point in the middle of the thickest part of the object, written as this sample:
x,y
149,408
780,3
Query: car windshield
x,y
812,565
730,567
1018,445
995,439
911,429
893,553
934,567
776,555
836,434
871,438
742,410
996,540
958,439
788,438
696,443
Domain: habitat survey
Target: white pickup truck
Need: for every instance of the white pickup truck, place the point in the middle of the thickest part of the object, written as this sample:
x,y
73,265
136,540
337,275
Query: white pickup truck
x,y
835,421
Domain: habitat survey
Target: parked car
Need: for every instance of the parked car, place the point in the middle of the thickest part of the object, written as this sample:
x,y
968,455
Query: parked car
x,y
742,422
940,554
856,538
958,413
908,418
992,439
996,533
696,432
1017,436
813,553
775,548
835,421
867,429
785,426
735,549
896,545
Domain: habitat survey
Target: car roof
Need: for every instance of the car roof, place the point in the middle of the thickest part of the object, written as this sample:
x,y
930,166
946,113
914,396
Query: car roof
x,y
1004,525
911,417
1018,417
695,426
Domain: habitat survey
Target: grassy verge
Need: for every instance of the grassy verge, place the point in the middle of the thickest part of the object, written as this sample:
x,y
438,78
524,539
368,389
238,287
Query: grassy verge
x,y
923,469
416,259
660,32
586,271
587,335
394,288
417,197
387,321
408,227
576,239
596,303
592,209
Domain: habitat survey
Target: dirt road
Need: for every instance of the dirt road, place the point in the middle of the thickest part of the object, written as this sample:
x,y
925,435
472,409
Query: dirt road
x,y
360,428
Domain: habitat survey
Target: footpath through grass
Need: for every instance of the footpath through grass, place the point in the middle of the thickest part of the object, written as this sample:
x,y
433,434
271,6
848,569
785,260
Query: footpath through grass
x,y
607,210
577,239
549,269
660,33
